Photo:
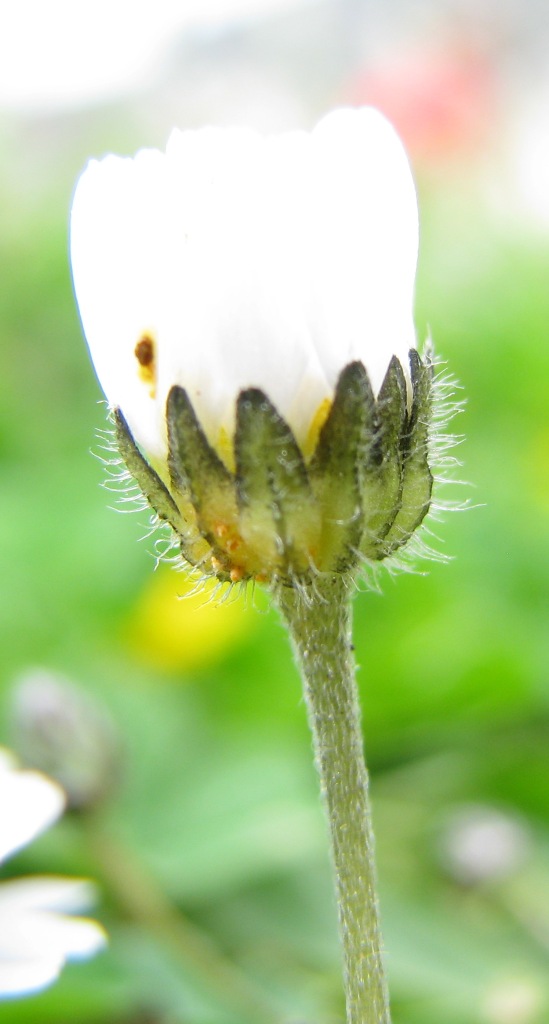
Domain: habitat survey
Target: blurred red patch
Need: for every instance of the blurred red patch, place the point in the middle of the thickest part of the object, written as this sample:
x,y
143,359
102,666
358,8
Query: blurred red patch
x,y
442,102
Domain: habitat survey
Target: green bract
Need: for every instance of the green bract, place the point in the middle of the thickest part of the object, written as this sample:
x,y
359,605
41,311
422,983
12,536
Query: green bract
x,y
278,516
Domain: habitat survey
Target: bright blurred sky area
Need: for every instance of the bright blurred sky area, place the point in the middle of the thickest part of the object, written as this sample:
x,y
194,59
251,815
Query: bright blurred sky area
x,y
452,75
65,53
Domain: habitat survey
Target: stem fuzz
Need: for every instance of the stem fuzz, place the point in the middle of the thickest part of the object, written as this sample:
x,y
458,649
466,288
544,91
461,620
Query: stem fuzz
x,y
319,622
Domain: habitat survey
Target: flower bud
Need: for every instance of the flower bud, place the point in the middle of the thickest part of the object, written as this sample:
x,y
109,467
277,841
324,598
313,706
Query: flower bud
x,y
248,304
65,733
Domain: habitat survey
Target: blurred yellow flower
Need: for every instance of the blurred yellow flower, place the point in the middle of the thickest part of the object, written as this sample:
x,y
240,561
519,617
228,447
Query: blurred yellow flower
x,y
188,634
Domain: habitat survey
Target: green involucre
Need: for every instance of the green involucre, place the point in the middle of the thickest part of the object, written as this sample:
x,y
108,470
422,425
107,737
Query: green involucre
x,y
276,517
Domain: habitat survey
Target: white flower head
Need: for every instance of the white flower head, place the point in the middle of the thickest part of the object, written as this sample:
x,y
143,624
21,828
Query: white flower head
x,y
37,935
247,261
248,305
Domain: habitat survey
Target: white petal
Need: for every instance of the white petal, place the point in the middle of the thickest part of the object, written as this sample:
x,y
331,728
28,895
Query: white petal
x,y
22,975
118,252
250,262
8,762
48,933
34,945
29,803
237,199
36,938
46,893
366,254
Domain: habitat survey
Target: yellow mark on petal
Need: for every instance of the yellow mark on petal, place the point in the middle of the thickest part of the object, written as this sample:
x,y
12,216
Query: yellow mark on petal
x,y
317,422
146,361
225,449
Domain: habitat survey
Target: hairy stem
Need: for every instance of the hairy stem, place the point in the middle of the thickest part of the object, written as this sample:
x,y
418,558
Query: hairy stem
x,y
319,621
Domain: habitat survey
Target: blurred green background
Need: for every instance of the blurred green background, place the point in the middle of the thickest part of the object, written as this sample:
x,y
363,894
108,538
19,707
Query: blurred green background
x,y
199,814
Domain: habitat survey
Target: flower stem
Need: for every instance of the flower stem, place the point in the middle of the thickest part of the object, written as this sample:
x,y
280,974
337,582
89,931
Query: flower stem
x,y
319,621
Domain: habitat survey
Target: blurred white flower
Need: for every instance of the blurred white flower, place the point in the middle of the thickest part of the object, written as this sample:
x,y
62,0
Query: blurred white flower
x,y
513,1000
36,935
235,260
482,844
62,731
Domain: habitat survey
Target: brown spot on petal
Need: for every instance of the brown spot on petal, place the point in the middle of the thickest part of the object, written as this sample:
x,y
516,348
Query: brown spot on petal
x,y
146,359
